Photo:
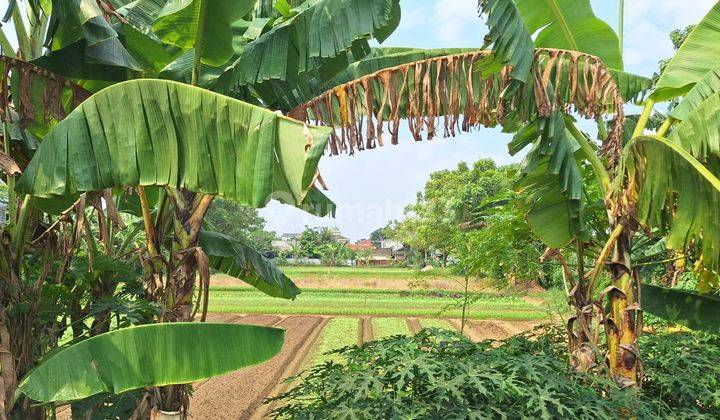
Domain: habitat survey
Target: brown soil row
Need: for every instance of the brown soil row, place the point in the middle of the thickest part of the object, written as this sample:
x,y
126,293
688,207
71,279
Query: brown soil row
x,y
292,369
238,395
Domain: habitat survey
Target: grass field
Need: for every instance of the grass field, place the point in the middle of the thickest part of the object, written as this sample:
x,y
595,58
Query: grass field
x,y
386,327
435,323
371,302
339,332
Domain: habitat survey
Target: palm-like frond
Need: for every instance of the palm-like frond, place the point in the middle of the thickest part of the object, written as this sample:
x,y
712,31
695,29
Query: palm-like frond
x,y
676,194
448,86
235,258
156,132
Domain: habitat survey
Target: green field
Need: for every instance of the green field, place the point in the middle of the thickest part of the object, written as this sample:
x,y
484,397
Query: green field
x,y
370,302
435,323
387,327
339,332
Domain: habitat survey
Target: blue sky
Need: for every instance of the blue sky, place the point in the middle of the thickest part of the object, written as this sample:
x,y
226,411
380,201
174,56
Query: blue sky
x,y
372,187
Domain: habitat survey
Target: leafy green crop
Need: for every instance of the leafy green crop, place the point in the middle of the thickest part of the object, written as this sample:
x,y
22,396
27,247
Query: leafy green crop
x,y
440,374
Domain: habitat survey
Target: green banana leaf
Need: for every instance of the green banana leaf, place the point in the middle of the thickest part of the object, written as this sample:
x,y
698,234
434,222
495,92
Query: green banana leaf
x,y
184,23
697,312
82,23
699,54
324,36
571,25
511,39
157,132
676,194
236,258
552,180
149,355
699,132
708,86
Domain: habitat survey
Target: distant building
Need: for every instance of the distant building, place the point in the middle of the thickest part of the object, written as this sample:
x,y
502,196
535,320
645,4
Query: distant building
x,y
286,242
335,232
364,245
392,244
378,257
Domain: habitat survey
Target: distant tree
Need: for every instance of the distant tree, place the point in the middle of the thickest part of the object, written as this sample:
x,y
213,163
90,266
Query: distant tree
x,y
239,221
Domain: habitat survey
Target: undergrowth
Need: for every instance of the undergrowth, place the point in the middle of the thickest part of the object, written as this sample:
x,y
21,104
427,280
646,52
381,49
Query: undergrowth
x,y
440,374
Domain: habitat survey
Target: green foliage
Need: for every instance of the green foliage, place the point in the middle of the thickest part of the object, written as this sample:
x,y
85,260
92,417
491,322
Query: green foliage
x,y
323,243
240,222
128,358
255,155
441,374
421,303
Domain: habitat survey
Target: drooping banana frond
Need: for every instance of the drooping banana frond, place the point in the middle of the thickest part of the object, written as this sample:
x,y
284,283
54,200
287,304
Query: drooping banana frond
x,y
84,25
699,54
551,180
235,258
447,87
321,39
676,194
708,86
156,132
699,133
510,37
39,97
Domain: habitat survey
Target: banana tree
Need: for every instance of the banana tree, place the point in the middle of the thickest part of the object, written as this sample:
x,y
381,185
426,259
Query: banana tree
x,y
525,85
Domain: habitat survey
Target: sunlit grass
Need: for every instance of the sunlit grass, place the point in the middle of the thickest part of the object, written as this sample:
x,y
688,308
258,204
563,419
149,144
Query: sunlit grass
x,y
387,327
339,332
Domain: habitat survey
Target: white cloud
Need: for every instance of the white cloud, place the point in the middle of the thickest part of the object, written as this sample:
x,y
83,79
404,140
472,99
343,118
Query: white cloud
x,y
647,24
454,20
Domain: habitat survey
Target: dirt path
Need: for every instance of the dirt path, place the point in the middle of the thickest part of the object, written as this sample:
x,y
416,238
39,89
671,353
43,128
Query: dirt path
x,y
238,395
491,329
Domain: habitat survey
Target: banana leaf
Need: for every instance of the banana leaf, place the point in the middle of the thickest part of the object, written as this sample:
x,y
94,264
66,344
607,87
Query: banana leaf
x,y
571,25
156,132
698,55
699,132
82,25
149,355
323,36
236,258
184,23
511,39
697,312
676,194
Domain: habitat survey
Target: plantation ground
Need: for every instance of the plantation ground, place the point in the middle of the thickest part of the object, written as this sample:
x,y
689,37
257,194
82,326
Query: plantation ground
x,y
346,306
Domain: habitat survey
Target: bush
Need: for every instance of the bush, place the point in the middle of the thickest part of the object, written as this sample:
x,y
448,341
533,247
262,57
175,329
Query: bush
x,y
440,374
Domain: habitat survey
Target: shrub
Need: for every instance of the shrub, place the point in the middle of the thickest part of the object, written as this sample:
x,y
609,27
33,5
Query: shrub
x,y
440,374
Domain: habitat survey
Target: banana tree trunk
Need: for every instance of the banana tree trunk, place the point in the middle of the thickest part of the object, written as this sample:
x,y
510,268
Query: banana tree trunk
x,y
623,323
186,261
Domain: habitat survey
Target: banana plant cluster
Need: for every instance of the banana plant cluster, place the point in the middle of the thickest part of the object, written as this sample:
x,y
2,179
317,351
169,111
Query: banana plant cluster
x,y
98,150
144,111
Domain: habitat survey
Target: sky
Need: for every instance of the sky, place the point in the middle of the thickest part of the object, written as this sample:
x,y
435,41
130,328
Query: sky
x,y
373,187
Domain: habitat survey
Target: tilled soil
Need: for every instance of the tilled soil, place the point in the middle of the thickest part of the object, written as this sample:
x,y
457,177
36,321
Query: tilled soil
x,y
238,395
